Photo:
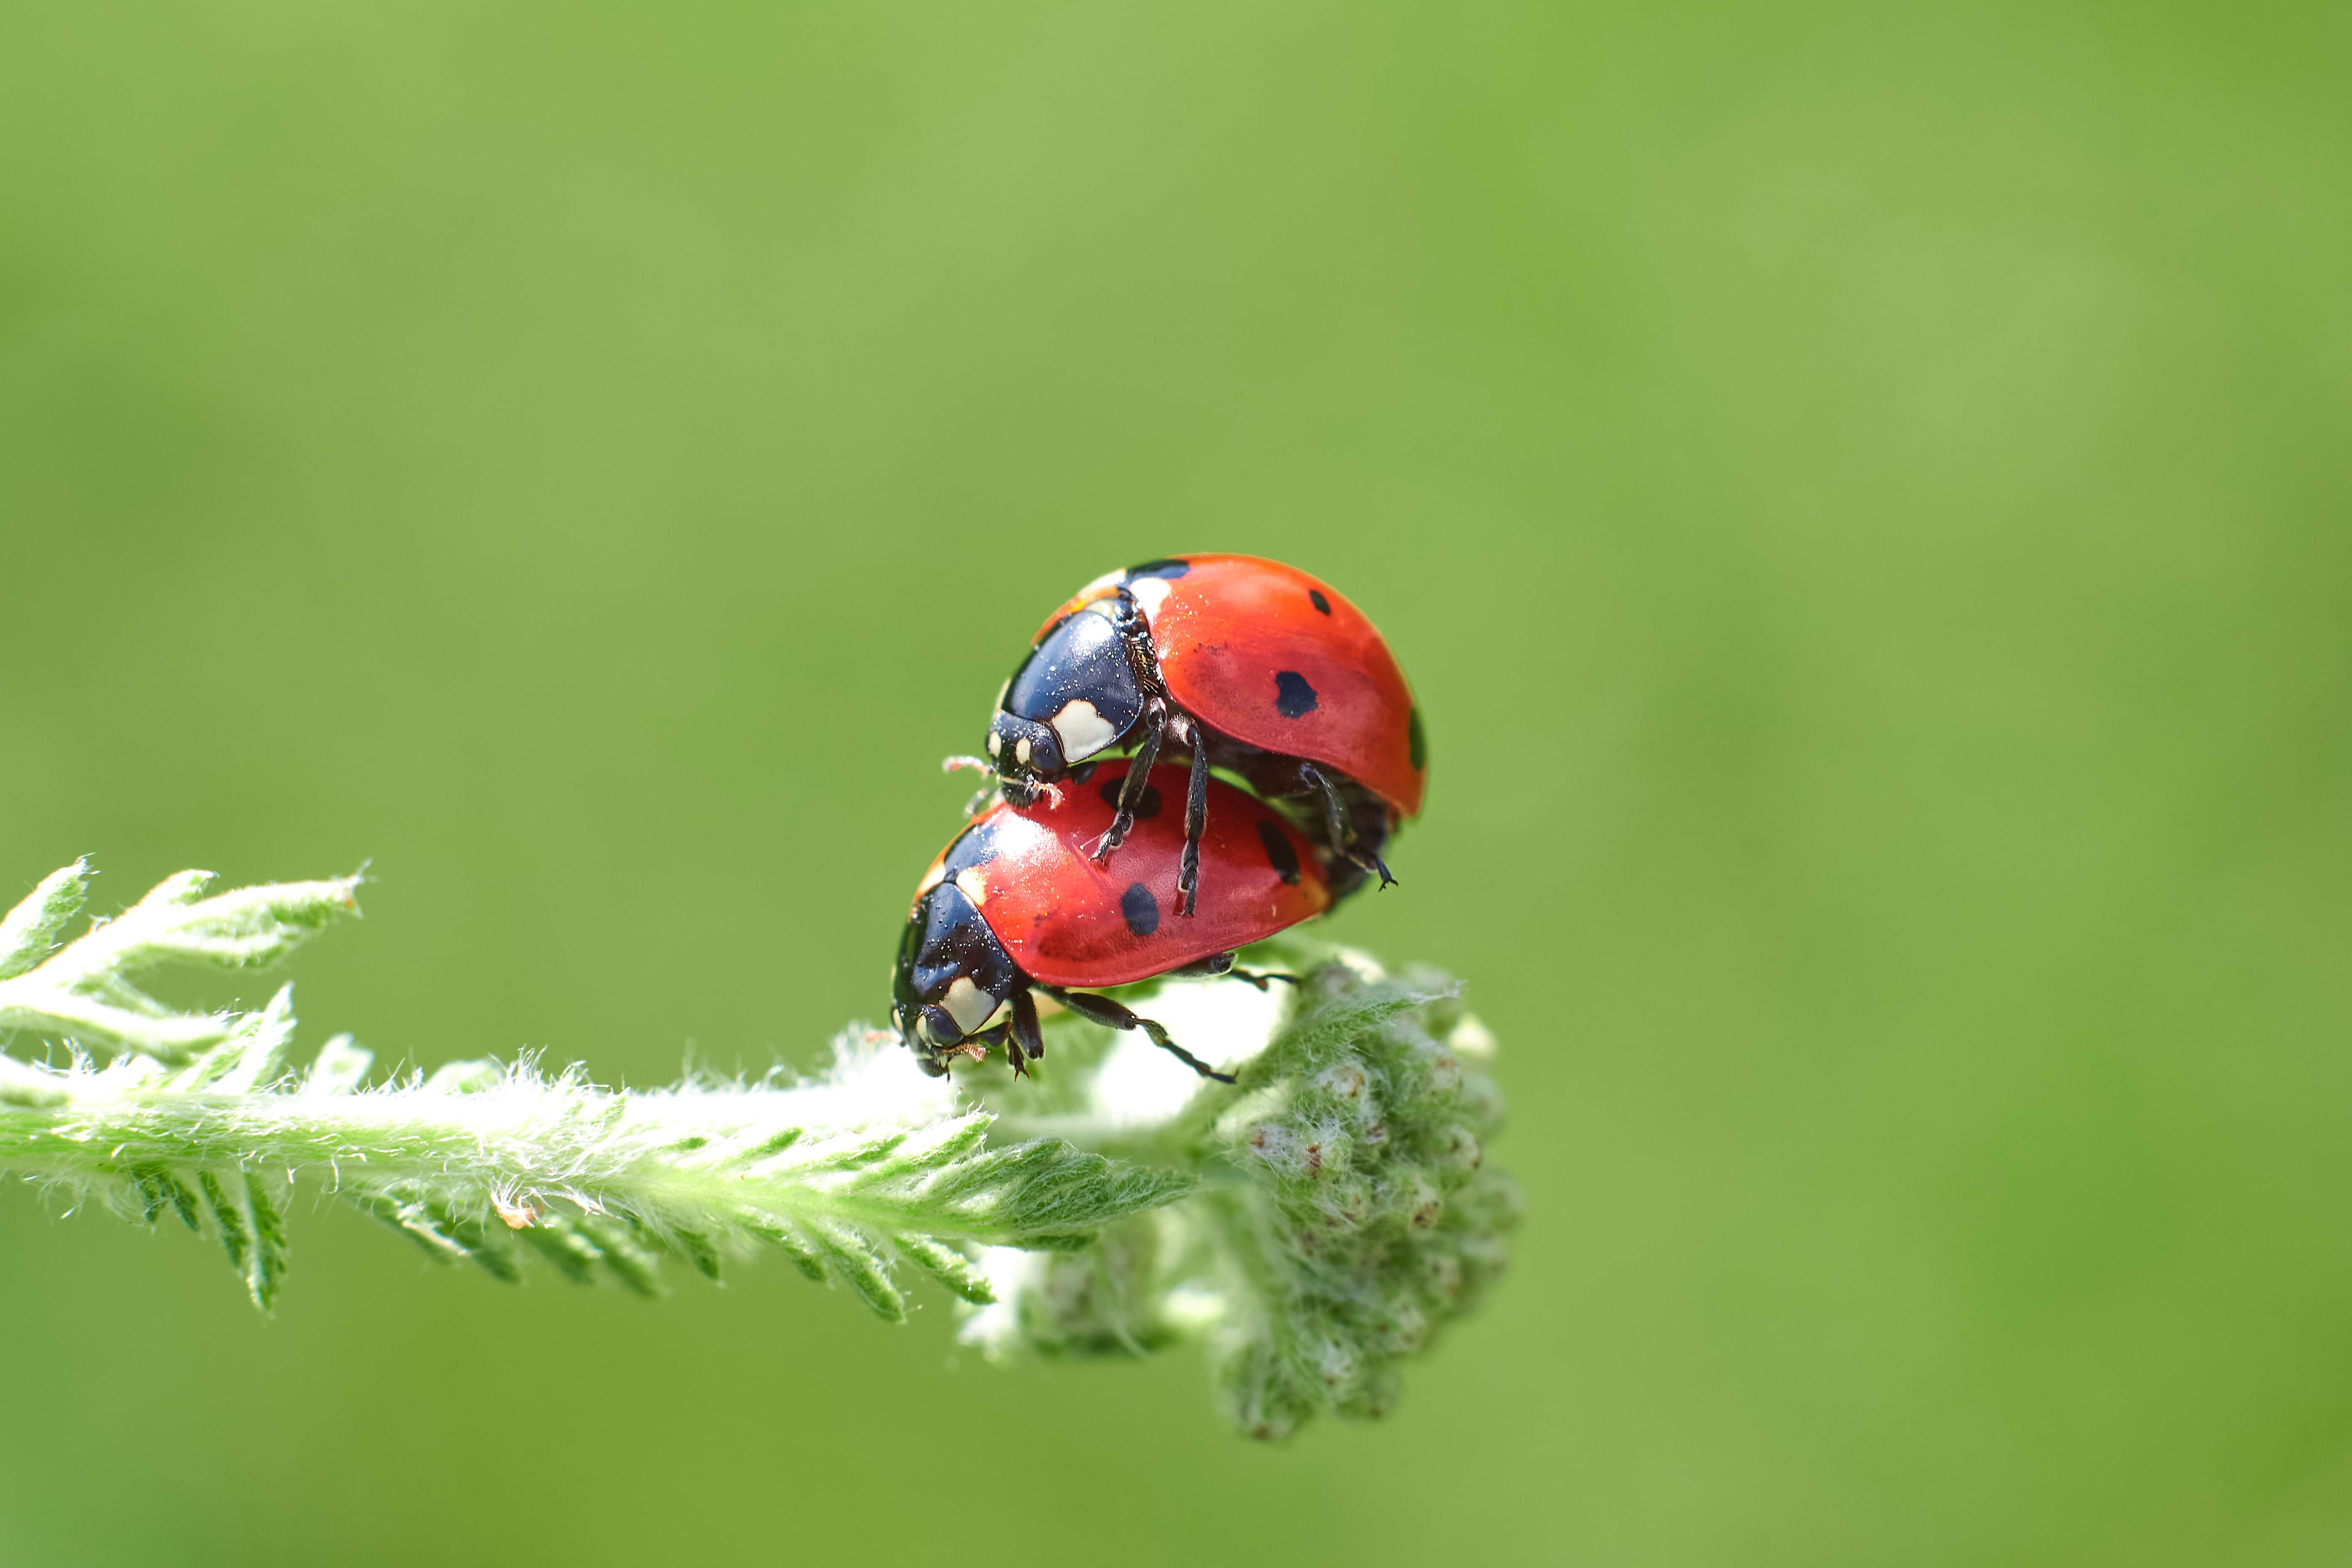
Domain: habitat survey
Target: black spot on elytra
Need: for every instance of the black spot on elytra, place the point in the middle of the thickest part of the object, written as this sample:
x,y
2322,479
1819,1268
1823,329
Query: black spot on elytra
x,y
1314,597
1140,909
1278,850
1414,743
1145,809
1293,697
1162,568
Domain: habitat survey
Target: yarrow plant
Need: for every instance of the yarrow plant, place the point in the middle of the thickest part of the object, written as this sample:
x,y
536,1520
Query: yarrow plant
x,y
1314,1223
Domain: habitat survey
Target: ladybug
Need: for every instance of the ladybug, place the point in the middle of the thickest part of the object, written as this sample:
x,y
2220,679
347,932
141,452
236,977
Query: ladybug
x,y
1017,904
1249,665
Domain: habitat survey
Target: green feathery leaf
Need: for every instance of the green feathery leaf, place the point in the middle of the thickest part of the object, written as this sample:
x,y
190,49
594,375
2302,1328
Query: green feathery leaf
x,y
1315,1223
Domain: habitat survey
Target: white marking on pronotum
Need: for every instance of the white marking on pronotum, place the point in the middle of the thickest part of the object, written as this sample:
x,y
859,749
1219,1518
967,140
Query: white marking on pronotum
x,y
932,879
974,886
967,1003
1021,750
1148,592
1084,730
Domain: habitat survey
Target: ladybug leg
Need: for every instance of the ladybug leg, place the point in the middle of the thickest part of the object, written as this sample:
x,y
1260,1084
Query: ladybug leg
x,y
1104,1011
979,766
1343,832
1196,822
1335,815
1221,964
1026,1035
1002,1036
974,1050
1139,779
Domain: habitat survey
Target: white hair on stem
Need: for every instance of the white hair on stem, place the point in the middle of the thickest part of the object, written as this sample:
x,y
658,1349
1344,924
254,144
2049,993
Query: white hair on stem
x,y
1313,1225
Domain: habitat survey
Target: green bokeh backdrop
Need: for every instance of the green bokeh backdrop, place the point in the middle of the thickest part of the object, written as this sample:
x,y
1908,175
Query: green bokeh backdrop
x,y
1861,494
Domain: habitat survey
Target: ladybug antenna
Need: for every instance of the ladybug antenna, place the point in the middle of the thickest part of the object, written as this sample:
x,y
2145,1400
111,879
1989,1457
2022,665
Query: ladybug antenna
x,y
977,764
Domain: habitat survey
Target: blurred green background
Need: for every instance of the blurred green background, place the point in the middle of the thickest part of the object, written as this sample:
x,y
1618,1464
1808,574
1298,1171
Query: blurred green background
x,y
1862,495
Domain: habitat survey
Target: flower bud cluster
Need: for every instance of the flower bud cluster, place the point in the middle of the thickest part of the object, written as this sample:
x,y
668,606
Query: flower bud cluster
x,y
1372,1219
1349,1211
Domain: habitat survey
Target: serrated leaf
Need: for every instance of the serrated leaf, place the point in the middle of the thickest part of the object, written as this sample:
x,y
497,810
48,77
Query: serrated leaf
x,y
613,1181
29,931
783,1234
1049,1187
555,1239
251,1232
176,891
267,1270
408,1219
464,1077
83,990
35,1088
447,1233
700,1252
630,1264
340,1067
863,1153
250,1056
158,1189
229,1217
1064,1241
950,1267
956,1145
858,1265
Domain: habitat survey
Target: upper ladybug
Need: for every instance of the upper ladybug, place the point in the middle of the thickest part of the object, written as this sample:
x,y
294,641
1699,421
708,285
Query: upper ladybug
x,y
1247,664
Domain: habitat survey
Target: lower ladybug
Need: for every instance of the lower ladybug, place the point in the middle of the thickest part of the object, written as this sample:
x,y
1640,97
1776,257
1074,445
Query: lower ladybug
x,y
1249,665
1016,904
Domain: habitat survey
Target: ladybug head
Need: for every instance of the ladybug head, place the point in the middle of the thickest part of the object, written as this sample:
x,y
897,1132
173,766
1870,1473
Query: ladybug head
x,y
1025,755
952,977
1074,696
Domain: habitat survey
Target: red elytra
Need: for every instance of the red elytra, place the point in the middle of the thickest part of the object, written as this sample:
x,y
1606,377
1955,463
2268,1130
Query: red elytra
x,y
1227,632
1066,921
1018,903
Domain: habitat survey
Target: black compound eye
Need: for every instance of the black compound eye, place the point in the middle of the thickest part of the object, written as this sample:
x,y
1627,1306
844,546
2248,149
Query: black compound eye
x,y
939,1028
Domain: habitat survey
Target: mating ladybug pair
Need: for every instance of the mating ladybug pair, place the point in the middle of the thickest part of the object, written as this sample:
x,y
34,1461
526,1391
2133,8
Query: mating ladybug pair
x,y
1079,875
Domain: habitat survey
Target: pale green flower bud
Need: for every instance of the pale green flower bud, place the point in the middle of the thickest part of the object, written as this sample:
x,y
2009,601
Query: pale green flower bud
x,y
1361,1216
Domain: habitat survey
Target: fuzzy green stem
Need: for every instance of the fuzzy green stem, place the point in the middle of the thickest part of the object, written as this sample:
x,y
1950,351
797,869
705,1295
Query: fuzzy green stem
x,y
675,1156
1313,1223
